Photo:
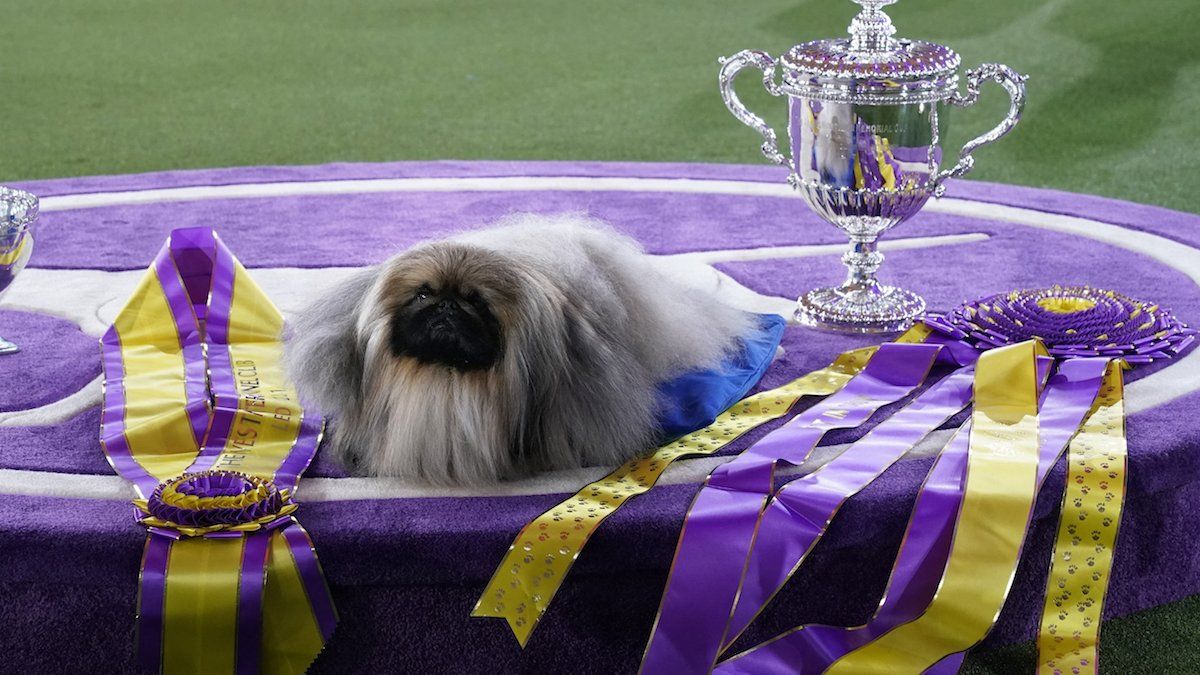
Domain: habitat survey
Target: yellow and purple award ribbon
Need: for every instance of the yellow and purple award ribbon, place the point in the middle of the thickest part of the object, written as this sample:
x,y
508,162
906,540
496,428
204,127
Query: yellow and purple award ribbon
x,y
797,516
199,416
998,497
951,564
541,556
1079,321
719,529
926,543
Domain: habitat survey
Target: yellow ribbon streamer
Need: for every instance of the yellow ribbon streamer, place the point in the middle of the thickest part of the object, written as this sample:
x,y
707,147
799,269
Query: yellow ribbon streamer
x,y
543,552
200,610
1068,641
999,493
291,639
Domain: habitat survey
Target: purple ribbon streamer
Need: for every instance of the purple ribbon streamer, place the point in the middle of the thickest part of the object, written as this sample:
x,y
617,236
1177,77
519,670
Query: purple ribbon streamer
x,y
313,578
248,650
716,537
308,438
188,330
194,249
922,559
801,510
220,366
152,593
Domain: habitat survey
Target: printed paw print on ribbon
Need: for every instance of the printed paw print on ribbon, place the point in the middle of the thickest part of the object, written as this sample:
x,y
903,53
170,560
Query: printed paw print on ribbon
x,y
1092,502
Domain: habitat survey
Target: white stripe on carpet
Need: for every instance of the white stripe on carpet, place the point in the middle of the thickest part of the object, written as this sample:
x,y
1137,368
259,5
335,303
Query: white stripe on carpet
x,y
381,185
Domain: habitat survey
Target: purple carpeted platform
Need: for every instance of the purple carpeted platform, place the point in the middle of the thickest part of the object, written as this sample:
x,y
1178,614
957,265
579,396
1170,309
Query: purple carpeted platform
x,y
405,572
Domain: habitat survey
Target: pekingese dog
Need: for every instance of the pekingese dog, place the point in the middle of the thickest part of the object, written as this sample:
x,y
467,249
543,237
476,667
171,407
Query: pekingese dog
x,y
533,345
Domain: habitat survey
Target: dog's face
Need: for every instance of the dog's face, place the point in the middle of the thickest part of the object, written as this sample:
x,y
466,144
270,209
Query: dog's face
x,y
447,324
448,306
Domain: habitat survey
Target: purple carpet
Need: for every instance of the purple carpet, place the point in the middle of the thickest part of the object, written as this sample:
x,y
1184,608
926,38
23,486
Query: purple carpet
x,y
406,572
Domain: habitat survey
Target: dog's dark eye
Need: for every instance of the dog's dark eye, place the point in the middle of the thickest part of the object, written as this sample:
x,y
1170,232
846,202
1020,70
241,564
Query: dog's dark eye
x,y
475,299
423,292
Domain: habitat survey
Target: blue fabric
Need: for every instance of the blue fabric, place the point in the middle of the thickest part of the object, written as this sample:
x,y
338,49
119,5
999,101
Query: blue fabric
x,y
693,400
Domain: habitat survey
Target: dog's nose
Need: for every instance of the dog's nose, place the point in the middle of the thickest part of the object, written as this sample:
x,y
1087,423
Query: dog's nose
x,y
446,306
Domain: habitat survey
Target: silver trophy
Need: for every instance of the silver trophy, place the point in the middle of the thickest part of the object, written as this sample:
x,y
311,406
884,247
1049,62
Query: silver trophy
x,y
18,210
866,115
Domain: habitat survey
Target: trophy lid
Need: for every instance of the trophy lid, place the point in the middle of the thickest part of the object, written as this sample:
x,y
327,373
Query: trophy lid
x,y
871,52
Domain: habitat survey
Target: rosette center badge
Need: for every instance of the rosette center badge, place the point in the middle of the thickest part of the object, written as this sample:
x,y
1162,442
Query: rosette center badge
x,y
210,502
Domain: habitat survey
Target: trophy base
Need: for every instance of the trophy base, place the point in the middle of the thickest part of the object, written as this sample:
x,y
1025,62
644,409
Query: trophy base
x,y
870,309
7,347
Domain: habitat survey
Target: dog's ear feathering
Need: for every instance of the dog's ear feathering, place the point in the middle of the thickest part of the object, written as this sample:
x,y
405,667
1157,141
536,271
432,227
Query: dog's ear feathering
x,y
321,347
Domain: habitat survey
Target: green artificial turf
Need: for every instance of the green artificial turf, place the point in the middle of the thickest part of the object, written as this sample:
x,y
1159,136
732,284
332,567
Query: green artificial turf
x,y
1161,640
121,86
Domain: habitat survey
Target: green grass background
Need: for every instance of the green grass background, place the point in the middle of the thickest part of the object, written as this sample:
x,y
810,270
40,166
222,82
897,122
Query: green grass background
x,y
124,86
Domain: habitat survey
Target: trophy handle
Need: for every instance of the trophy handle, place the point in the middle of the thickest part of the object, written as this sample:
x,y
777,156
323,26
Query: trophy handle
x,y
1014,84
730,67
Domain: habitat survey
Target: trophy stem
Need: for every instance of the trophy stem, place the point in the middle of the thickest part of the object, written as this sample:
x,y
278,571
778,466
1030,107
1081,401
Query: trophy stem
x,y
862,261
861,304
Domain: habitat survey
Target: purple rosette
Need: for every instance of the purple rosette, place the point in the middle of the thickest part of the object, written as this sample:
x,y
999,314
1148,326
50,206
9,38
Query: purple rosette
x,y
195,504
1071,321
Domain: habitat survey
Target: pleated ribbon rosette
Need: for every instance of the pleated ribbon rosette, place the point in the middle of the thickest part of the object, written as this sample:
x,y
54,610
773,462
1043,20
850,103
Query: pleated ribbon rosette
x,y
1040,372
200,418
